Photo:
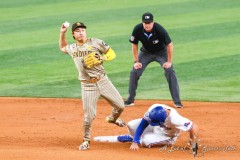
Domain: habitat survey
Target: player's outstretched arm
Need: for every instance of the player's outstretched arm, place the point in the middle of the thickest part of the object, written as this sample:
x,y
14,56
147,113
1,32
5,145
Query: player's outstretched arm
x,y
193,139
193,132
139,131
135,52
168,64
62,39
110,55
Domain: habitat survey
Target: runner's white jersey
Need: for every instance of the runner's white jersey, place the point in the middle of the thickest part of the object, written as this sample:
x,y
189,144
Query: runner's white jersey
x,y
173,124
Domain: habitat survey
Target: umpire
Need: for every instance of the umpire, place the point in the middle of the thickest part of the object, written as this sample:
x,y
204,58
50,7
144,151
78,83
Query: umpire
x,y
156,46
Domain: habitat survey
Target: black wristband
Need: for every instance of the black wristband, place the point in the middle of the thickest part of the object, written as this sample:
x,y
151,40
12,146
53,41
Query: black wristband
x,y
135,61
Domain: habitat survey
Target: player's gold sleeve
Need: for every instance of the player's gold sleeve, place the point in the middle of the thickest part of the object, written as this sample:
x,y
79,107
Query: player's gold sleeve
x,y
110,55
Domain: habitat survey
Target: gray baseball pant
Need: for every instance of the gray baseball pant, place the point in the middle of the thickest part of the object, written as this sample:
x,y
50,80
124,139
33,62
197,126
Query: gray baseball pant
x,y
146,58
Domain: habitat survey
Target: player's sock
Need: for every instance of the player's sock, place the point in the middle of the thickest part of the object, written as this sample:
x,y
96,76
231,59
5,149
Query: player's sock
x,y
125,138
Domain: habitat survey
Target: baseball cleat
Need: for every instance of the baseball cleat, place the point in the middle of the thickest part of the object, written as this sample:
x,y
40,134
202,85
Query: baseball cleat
x,y
126,103
84,146
118,122
125,138
178,105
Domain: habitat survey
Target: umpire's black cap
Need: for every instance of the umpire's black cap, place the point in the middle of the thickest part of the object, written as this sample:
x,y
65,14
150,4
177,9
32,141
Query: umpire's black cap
x,y
147,17
78,25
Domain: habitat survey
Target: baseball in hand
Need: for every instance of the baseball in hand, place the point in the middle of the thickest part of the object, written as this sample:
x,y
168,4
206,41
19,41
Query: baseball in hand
x,y
66,24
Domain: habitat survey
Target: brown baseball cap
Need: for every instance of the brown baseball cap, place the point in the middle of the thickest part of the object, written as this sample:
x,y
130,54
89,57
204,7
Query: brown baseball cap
x,y
147,17
78,25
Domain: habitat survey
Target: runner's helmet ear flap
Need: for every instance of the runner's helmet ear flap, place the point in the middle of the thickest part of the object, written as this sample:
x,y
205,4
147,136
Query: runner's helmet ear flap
x,y
157,116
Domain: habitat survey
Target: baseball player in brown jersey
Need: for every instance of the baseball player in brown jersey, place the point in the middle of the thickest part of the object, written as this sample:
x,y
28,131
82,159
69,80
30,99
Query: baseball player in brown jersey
x,y
91,73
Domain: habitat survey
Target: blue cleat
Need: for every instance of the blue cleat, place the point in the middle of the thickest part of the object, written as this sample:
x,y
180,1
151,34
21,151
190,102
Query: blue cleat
x,y
125,138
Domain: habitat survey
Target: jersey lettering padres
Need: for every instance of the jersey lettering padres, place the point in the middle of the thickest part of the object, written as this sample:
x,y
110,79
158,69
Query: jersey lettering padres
x,y
79,52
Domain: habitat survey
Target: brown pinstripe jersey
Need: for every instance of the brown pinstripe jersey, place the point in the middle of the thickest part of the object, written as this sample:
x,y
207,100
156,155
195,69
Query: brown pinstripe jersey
x,y
79,52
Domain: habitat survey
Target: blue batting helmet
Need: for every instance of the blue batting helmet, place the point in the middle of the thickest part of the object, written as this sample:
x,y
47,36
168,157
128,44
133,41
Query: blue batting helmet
x,y
157,116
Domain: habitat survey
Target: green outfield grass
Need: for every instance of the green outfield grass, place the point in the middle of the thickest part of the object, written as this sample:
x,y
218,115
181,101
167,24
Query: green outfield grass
x,y
206,38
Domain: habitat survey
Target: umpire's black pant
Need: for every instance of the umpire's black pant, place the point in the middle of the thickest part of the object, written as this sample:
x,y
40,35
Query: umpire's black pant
x,y
145,58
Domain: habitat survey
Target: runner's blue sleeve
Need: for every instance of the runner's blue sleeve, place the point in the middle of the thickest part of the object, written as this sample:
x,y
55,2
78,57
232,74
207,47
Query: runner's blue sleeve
x,y
143,124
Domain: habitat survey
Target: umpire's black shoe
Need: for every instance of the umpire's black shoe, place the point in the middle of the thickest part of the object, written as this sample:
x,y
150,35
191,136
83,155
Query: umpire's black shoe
x,y
126,103
178,105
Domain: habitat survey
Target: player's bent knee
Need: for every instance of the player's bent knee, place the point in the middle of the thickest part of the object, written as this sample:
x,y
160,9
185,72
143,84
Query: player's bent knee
x,y
120,108
135,73
169,71
119,105
132,126
129,127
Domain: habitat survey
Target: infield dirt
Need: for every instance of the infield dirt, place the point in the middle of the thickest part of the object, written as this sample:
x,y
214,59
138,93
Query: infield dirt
x,y
48,128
